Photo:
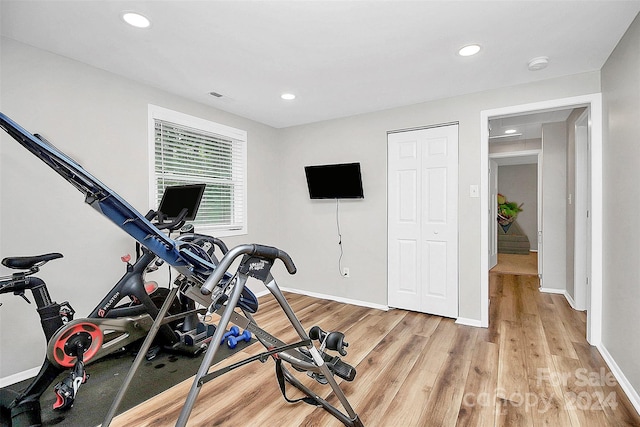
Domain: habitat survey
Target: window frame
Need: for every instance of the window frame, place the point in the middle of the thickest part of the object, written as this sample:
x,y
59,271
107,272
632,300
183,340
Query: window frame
x,y
160,113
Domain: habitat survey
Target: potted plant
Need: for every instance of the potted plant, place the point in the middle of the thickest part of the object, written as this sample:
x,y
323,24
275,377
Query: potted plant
x,y
507,212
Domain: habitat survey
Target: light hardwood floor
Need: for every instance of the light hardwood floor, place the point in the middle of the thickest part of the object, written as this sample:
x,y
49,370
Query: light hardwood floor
x,y
531,367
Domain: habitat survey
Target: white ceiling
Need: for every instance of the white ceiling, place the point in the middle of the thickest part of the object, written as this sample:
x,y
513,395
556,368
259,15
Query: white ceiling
x,y
515,160
527,126
340,58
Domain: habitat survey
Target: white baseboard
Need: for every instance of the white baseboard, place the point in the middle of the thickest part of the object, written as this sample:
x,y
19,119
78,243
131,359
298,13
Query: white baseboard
x,y
568,297
553,291
570,300
626,386
337,299
20,376
468,322
262,292
459,320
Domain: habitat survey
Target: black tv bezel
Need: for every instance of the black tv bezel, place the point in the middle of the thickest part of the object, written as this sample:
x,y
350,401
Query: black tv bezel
x,y
192,210
313,194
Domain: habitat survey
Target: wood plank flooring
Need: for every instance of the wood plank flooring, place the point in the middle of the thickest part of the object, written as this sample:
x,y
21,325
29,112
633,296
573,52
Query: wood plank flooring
x,y
517,264
532,367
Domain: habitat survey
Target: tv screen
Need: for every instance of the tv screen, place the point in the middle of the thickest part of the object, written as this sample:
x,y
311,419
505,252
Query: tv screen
x,y
340,181
178,197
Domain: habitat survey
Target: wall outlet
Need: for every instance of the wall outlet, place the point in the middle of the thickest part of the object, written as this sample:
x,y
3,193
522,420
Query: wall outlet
x,y
345,272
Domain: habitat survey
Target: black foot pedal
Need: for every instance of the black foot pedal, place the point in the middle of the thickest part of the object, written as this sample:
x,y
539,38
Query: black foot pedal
x,y
342,369
67,389
335,365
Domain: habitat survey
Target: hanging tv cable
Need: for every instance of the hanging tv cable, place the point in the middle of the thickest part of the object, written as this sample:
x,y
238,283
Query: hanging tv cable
x,y
339,237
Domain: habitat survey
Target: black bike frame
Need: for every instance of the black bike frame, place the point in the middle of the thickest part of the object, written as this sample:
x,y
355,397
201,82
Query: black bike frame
x,y
132,284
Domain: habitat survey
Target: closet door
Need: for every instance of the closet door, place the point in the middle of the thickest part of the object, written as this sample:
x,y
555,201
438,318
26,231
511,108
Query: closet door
x,y
423,220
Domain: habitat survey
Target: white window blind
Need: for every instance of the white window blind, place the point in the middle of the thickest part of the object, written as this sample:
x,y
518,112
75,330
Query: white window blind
x,y
184,154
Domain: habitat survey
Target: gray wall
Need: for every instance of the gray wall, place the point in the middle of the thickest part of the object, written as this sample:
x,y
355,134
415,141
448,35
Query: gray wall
x,y
570,204
99,119
311,224
554,212
621,200
519,184
508,147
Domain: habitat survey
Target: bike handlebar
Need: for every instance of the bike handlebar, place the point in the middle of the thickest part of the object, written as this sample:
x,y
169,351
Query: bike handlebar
x,y
173,225
263,251
272,253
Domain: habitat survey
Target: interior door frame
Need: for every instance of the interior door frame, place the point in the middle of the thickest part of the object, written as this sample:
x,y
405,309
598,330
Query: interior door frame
x,y
493,208
594,103
528,153
581,206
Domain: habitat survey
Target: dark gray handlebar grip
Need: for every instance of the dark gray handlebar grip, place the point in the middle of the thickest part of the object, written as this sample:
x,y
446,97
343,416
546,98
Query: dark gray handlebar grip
x,y
273,253
260,250
220,244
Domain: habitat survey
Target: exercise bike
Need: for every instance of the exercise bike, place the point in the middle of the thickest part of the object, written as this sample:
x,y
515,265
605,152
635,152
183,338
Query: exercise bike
x,y
123,317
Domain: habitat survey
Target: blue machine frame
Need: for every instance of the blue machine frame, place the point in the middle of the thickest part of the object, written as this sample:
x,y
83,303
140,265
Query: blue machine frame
x,y
108,202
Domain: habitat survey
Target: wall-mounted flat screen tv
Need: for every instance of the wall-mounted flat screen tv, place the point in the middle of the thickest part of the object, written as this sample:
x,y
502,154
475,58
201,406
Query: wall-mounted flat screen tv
x,y
339,181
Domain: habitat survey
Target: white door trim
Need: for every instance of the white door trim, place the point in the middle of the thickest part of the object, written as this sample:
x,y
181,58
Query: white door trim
x,y
581,207
594,102
528,153
493,208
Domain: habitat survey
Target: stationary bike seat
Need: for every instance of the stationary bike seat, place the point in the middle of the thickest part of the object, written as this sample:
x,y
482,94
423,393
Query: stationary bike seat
x,y
27,262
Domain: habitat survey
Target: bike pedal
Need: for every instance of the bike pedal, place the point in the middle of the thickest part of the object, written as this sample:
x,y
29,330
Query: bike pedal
x,y
65,395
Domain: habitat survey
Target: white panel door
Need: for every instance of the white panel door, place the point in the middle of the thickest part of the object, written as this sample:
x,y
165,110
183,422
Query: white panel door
x,y
423,220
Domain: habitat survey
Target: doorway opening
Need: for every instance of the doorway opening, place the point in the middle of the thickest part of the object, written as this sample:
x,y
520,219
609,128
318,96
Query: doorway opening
x,y
515,180
593,105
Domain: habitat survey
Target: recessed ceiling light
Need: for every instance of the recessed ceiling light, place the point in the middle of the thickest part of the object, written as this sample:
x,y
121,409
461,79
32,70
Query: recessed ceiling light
x,y
469,50
288,96
136,20
509,131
